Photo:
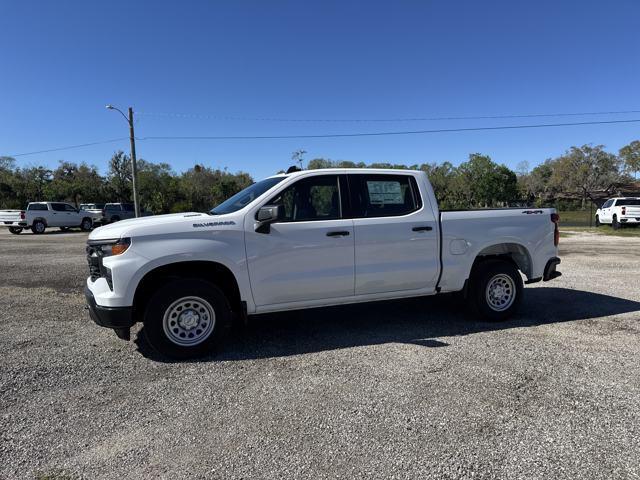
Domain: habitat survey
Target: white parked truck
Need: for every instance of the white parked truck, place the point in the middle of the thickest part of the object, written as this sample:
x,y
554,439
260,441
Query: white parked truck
x,y
42,215
618,212
310,239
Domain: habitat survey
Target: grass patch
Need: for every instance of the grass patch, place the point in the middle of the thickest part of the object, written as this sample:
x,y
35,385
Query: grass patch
x,y
602,230
577,218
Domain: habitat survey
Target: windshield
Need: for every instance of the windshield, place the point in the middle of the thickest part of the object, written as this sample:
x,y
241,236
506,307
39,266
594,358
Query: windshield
x,y
246,196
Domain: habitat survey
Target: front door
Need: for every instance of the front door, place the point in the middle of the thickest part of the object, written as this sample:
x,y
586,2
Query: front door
x,y
396,240
309,254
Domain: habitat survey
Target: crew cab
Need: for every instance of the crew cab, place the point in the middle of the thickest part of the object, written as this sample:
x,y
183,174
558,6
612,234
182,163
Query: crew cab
x,y
97,210
618,212
41,215
310,239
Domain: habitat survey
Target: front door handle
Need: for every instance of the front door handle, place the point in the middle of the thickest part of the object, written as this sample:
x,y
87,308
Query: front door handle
x,y
422,229
337,234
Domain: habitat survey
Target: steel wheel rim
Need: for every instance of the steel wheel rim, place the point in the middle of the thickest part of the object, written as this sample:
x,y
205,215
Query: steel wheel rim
x,y
500,292
189,321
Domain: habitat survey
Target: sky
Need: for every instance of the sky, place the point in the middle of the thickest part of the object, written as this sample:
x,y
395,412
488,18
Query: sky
x,y
215,68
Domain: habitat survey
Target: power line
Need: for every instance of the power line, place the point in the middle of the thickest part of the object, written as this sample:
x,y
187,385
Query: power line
x,y
380,134
70,147
366,120
333,135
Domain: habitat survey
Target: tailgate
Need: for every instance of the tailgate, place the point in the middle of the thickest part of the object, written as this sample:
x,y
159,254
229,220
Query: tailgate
x,y
9,216
632,211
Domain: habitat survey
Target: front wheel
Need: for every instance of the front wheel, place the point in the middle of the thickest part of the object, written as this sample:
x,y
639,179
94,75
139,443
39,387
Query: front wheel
x,y
15,230
86,224
496,290
186,318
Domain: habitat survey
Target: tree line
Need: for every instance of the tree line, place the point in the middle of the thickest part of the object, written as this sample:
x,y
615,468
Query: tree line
x,y
476,183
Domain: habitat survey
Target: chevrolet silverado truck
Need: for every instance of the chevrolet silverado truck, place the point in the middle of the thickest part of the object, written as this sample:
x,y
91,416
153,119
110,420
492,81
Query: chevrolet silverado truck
x,y
618,212
42,215
310,239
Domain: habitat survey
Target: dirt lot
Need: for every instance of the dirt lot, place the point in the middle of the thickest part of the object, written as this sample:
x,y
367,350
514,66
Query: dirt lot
x,y
410,389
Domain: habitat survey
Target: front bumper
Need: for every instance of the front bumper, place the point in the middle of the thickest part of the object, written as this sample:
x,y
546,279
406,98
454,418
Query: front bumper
x,y
118,318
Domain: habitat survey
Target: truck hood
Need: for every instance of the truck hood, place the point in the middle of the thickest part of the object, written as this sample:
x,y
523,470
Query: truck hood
x,y
139,225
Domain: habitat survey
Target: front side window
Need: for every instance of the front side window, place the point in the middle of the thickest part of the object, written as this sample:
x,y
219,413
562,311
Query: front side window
x,y
112,207
383,195
310,199
607,204
69,208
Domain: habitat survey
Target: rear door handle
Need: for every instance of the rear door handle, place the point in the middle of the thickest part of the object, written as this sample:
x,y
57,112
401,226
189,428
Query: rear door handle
x,y
337,234
422,229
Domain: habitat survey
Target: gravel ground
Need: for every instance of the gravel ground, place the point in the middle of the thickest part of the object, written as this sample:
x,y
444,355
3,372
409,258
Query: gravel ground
x,y
407,389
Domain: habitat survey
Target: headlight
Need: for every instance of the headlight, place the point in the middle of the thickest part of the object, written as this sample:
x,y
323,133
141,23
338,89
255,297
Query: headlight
x,y
111,248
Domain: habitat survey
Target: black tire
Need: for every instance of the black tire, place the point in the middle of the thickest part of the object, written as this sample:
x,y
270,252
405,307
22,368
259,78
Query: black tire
x,y
203,301
614,223
15,230
499,274
598,221
86,224
38,227
115,218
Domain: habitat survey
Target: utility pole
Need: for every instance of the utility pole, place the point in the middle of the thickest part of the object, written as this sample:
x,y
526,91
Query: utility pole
x,y
134,165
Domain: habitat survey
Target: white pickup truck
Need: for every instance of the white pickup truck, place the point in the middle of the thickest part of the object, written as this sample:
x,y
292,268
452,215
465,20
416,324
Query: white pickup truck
x,y
310,239
41,215
618,212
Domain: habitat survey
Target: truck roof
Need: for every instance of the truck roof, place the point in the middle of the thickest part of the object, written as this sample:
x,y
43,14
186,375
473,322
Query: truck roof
x,y
350,170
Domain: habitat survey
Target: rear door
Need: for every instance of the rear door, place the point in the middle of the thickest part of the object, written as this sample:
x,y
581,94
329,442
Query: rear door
x,y
396,248
309,254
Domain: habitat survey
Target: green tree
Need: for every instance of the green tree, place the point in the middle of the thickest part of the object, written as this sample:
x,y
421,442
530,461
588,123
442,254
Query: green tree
x,y
630,155
582,170
119,177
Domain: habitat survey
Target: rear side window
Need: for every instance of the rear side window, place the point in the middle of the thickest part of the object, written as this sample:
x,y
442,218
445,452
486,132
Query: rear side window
x,y
127,207
112,207
383,195
37,206
628,201
58,207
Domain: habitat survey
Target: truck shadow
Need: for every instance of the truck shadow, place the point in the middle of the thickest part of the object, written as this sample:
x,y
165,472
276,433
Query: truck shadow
x,y
418,321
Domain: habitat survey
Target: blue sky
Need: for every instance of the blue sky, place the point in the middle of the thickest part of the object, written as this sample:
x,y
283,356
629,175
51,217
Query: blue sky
x,y
63,61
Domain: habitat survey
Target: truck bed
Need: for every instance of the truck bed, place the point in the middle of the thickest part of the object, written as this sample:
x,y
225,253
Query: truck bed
x,y
527,234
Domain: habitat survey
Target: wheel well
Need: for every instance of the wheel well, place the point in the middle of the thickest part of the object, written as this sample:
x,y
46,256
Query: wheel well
x,y
512,252
213,272
39,219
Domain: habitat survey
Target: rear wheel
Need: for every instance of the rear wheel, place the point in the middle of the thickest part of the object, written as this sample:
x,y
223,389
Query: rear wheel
x,y
38,227
496,290
614,223
186,318
15,230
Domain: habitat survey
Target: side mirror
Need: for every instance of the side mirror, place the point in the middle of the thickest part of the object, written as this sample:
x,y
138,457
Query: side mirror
x,y
267,215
